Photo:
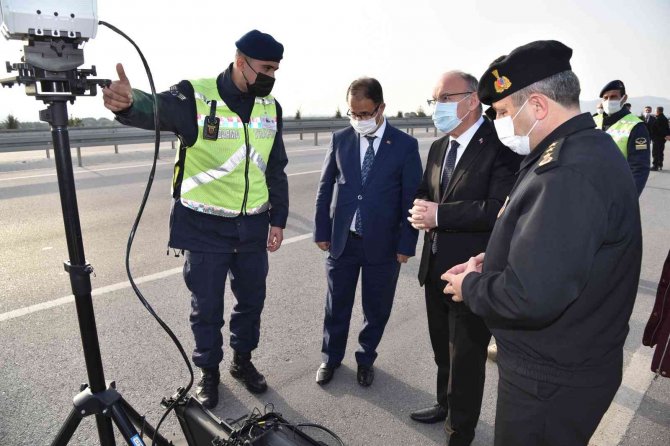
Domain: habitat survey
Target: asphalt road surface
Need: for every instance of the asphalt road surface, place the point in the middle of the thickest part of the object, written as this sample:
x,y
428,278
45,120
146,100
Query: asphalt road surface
x,y
41,360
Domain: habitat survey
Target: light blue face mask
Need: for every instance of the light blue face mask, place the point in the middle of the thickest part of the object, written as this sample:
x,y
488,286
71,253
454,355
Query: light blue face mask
x,y
445,115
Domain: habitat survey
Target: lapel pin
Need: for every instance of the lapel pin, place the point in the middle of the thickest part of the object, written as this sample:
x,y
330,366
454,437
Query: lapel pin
x,y
388,141
481,140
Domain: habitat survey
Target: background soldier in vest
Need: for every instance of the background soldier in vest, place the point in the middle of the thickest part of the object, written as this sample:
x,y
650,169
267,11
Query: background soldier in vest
x,y
229,182
627,130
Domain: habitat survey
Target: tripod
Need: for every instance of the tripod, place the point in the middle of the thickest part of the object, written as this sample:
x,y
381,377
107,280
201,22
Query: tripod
x,y
46,78
104,402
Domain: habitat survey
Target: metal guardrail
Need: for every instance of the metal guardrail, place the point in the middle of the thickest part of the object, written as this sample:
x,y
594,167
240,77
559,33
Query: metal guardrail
x,y
26,140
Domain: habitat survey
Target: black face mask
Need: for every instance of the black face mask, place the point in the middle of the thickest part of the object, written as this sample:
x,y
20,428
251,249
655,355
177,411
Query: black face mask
x,y
263,85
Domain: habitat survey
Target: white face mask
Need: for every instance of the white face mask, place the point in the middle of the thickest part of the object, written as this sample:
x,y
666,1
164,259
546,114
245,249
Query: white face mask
x,y
505,129
612,106
364,126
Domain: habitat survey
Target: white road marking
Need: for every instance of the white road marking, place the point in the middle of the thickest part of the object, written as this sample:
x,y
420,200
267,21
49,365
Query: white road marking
x,y
114,287
79,172
83,170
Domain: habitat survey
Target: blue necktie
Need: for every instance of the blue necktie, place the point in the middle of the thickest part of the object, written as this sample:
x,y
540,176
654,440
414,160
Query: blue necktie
x,y
447,172
365,170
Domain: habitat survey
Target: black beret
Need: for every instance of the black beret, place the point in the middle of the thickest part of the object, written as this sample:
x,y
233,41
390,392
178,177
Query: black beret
x,y
260,46
522,67
614,85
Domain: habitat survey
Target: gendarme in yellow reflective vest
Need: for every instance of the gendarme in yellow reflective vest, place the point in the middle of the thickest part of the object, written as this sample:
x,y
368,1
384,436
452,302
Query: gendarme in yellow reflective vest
x,y
620,130
226,176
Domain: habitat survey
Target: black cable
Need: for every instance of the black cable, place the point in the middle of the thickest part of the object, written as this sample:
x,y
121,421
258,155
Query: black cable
x,y
323,428
131,237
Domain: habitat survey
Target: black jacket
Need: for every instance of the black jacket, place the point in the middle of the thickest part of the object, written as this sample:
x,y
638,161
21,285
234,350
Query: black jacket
x,y
466,213
197,231
648,121
660,128
563,263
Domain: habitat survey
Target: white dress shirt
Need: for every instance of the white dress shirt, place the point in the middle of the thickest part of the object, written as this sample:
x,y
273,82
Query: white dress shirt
x,y
463,141
363,147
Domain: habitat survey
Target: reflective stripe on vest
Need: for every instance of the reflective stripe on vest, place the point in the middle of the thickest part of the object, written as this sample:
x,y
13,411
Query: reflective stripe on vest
x,y
226,177
620,130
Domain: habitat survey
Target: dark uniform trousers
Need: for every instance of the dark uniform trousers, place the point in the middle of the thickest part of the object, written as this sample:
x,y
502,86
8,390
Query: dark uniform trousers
x,y
657,151
460,354
205,276
378,288
537,413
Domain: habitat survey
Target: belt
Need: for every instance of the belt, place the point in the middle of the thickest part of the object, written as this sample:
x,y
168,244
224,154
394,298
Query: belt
x,y
355,235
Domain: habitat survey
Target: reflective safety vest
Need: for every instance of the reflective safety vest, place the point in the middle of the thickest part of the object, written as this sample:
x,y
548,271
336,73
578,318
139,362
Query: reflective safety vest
x,y
226,176
620,130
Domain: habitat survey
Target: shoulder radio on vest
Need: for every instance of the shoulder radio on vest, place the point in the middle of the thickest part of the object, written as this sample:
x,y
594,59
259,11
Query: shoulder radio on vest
x,y
211,128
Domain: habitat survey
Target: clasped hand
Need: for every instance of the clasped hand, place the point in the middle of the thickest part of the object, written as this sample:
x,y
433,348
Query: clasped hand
x,y
455,275
423,215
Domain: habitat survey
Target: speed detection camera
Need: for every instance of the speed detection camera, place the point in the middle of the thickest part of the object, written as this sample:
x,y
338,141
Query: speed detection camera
x,y
33,19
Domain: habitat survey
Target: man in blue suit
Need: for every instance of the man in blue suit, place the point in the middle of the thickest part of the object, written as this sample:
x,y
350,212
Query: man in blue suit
x,y
368,181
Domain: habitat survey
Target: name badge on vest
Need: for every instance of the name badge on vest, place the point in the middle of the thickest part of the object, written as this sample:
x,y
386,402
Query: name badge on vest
x,y
210,129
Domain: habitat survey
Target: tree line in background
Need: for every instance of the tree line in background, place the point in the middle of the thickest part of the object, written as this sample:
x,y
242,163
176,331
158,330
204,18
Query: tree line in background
x,y
338,114
12,123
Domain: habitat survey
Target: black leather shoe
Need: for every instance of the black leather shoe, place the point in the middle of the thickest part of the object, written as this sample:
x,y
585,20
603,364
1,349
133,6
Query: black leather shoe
x,y
431,414
207,389
365,375
243,370
325,373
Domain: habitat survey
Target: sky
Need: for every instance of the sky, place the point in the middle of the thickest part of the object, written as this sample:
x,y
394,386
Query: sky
x,y
405,45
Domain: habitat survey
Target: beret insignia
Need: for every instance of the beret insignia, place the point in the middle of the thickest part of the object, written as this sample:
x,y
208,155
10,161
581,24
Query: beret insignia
x,y
501,83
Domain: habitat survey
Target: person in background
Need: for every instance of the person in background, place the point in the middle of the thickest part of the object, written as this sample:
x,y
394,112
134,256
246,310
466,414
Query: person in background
x,y
627,130
599,109
660,133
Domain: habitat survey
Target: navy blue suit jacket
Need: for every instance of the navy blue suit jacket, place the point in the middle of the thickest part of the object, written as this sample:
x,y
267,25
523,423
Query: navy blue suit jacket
x,y
384,200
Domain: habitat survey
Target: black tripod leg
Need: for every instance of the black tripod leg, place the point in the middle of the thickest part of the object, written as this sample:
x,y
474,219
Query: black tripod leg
x,y
125,426
105,430
140,423
67,429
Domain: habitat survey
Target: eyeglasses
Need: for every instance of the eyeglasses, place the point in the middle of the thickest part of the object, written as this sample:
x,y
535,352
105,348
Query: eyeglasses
x,y
364,115
446,97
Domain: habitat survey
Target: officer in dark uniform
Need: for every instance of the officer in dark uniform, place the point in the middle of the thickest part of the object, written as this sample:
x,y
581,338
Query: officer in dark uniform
x,y
228,236
628,131
559,278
